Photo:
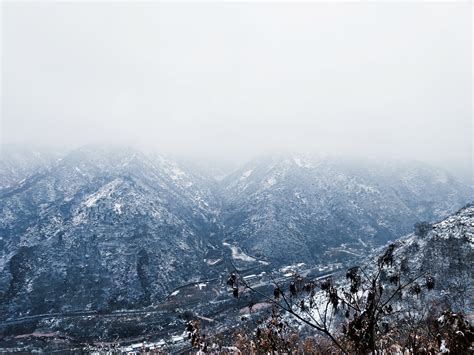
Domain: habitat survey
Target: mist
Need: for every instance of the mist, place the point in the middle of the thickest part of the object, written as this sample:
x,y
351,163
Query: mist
x,y
234,80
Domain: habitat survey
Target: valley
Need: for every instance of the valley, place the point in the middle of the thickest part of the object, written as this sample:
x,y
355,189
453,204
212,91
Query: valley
x,y
105,247
161,326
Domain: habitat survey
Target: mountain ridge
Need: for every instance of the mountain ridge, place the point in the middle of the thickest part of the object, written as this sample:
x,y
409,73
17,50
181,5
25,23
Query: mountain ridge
x,y
103,228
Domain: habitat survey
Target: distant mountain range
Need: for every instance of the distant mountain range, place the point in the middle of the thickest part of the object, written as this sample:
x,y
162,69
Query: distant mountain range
x,y
305,208
108,228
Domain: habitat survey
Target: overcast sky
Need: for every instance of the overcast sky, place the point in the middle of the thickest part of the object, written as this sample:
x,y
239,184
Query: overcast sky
x,y
238,79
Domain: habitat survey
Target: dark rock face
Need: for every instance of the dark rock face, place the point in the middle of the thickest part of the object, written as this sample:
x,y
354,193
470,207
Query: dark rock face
x,y
105,229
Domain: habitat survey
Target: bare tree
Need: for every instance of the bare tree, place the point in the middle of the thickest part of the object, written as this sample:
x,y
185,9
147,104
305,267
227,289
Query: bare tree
x,y
353,314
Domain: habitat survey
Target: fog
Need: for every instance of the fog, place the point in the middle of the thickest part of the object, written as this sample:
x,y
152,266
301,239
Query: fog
x,y
234,80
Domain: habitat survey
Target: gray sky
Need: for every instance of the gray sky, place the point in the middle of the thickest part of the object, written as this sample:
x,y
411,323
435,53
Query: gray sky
x,y
238,79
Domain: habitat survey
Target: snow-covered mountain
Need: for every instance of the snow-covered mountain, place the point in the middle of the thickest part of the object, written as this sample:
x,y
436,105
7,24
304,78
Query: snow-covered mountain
x,y
20,162
107,228
441,252
401,289
301,207
102,228
445,252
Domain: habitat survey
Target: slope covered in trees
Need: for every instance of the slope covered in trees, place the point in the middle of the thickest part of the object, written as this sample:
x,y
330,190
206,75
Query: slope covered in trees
x,y
412,295
296,207
101,229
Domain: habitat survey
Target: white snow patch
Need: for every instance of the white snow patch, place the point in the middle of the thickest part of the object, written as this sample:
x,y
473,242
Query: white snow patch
x,y
104,192
292,268
177,338
246,174
174,293
213,262
270,182
303,163
118,208
78,219
237,254
443,349
362,242
177,173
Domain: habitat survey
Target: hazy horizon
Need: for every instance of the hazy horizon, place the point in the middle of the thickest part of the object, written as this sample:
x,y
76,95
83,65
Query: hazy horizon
x,y
232,81
462,172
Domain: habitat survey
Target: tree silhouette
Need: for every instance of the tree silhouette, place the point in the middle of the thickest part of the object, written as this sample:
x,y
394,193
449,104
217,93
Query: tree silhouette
x,y
353,314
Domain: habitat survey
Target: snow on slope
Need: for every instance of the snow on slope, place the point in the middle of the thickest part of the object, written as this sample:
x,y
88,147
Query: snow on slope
x,y
299,207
